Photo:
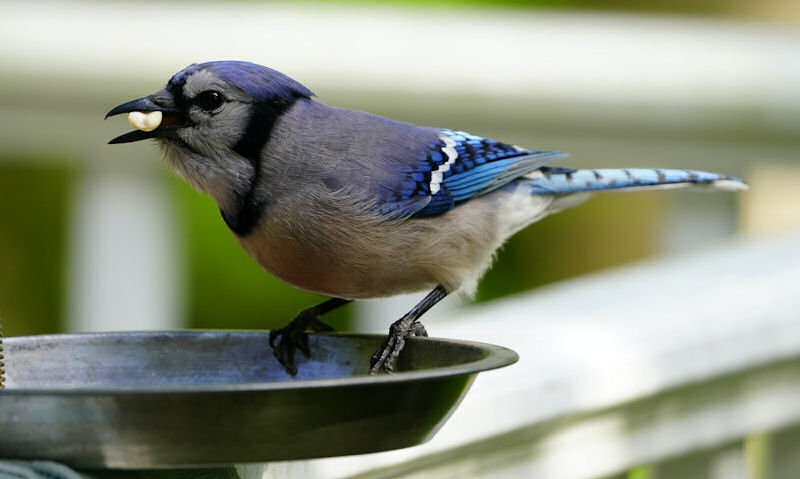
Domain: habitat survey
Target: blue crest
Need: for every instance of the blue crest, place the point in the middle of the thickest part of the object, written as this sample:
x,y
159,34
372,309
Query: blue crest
x,y
258,81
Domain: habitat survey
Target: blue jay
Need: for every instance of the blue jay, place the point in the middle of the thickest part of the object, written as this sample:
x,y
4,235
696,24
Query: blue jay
x,y
352,205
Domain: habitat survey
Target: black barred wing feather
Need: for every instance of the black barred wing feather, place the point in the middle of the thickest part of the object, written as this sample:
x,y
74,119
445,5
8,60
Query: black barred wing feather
x,y
460,167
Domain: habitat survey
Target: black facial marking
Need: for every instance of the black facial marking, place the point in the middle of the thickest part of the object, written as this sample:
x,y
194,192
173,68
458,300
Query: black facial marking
x,y
248,209
176,89
259,129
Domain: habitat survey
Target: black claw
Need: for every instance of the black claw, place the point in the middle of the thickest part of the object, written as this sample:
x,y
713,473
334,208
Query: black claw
x,y
303,345
407,326
385,357
286,360
288,339
284,350
273,335
420,331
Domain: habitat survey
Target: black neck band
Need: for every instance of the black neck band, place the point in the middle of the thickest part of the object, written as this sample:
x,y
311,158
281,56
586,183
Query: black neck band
x,y
248,209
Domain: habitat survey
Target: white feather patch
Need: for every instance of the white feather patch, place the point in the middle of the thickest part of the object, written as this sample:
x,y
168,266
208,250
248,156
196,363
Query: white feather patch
x,y
521,208
437,175
730,185
534,175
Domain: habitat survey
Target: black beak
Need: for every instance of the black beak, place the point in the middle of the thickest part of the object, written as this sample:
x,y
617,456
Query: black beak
x,y
172,118
140,104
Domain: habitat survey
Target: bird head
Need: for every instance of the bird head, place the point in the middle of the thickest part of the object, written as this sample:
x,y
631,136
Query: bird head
x,y
212,119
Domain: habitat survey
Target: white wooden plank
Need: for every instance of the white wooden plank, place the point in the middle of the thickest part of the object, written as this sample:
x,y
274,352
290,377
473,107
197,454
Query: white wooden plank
x,y
589,57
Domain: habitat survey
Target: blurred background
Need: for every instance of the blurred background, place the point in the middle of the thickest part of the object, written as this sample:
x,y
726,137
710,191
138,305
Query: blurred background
x,y
98,237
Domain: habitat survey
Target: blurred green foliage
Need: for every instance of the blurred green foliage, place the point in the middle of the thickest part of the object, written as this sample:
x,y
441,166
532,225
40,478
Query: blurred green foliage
x,y
34,213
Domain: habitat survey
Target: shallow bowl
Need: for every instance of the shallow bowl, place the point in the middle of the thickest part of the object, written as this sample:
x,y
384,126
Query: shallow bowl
x,y
174,399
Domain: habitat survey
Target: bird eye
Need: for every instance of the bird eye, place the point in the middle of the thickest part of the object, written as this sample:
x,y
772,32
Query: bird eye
x,y
209,100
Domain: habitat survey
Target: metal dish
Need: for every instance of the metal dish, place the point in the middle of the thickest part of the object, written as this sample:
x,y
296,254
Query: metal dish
x,y
176,399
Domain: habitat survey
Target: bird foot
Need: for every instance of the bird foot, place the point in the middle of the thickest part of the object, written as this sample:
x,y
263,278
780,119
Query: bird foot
x,y
288,339
384,358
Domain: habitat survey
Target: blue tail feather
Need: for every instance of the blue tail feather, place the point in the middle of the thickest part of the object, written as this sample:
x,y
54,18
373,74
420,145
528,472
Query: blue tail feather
x,y
555,181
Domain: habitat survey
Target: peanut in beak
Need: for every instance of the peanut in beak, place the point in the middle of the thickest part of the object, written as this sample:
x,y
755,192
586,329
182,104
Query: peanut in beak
x,y
145,121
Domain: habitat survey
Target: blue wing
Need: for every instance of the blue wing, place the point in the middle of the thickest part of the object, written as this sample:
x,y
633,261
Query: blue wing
x,y
457,168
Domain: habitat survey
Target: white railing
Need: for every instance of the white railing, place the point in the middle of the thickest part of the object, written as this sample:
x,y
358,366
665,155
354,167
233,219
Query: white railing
x,y
628,367
677,63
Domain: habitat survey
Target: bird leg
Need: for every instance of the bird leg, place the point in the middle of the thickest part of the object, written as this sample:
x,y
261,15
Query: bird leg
x,y
405,327
286,340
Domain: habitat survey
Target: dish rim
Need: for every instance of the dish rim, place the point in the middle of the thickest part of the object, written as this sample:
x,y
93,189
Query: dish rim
x,y
495,357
